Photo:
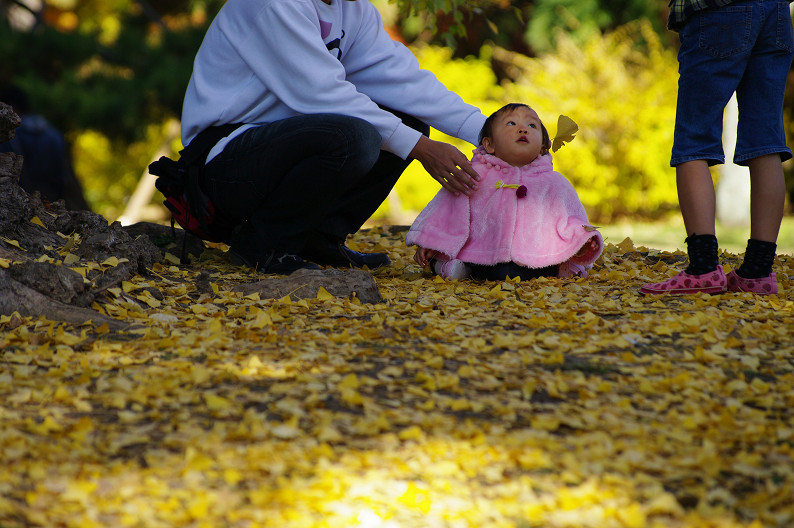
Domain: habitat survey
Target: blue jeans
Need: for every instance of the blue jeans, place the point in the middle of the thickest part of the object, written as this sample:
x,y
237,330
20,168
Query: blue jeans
x,y
303,181
747,48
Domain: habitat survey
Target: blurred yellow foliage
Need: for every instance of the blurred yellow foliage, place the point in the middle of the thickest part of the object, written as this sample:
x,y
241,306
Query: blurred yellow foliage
x,y
621,90
623,96
109,171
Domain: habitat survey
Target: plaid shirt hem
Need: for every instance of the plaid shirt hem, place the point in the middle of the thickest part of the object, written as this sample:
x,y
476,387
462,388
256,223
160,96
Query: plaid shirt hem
x,y
682,10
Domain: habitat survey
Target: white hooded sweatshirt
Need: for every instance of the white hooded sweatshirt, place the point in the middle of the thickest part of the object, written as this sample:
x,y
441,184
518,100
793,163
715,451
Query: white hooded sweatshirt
x,y
266,60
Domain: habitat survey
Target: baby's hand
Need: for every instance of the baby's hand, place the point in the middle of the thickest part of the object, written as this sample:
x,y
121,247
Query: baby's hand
x,y
423,256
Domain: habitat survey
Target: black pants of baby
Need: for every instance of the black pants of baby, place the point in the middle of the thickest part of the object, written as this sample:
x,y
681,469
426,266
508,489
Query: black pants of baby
x,y
512,270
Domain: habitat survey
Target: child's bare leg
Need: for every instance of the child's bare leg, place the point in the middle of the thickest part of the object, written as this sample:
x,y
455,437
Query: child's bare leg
x,y
698,204
696,197
767,197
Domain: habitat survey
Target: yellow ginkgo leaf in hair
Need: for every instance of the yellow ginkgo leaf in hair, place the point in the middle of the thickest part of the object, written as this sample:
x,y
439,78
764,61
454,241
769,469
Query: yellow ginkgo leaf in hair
x,y
566,130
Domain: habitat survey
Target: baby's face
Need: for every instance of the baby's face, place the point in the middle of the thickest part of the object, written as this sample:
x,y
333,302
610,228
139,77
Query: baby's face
x,y
516,137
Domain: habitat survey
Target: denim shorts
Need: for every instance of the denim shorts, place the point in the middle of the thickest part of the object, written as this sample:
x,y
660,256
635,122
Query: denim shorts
x,y
745,47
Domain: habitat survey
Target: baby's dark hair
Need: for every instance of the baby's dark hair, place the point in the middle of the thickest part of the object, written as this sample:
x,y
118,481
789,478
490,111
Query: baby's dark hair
x,y
486,130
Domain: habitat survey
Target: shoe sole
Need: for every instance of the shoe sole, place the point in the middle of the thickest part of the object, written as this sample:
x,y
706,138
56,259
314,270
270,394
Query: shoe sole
x,y
687,291
274,269
343,261
739,290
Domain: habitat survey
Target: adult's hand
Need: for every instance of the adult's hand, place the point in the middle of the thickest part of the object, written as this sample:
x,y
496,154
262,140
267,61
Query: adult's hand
x,y
447,165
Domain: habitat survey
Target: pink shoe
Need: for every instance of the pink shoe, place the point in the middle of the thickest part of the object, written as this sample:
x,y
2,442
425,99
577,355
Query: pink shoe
x,y
451,269
684,284
763,286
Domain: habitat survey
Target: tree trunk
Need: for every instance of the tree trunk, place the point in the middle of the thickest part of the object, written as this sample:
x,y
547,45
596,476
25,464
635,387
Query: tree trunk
x,y
40,242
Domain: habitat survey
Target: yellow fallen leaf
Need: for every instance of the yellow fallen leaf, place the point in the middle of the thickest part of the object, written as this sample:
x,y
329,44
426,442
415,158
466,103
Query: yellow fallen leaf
x,y
36,220
116,292
329,433
199,374
70,259
632,516
545,422
323,295
79,491
199,309
626,246
351,397
197,461
215,402
14,243
62,394
349,382
664,504
566,130
262,320
197,507
393,371
460,405
151,301
71,242
231,476
411,433
416,498
285,432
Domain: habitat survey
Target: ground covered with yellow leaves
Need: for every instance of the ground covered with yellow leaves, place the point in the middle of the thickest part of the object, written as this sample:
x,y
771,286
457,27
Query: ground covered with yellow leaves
x,y
546,403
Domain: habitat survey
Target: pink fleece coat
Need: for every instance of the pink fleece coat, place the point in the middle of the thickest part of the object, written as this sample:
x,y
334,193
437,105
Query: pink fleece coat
x,y
548,226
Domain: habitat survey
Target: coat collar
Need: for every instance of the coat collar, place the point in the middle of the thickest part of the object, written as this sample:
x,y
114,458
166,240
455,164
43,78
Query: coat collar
x,y
540,164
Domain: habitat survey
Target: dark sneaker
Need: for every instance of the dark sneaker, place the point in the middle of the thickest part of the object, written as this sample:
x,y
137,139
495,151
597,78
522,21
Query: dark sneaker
x,y
270,261
341,256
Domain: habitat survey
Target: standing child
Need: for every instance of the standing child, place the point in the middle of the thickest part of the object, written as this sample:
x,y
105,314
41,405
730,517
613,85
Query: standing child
x,y
524,220
744,47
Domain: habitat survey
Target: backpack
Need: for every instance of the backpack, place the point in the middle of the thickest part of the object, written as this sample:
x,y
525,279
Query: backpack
x,y
179,181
